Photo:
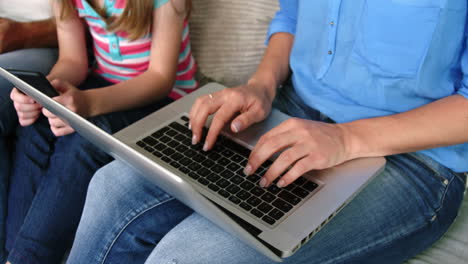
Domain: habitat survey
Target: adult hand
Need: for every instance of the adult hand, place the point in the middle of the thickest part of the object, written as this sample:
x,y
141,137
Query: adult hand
x,y
73,99
9,34
26,108
306,145
247,104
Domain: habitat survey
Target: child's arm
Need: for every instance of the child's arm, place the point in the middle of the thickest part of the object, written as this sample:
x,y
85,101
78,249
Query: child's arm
x,y
158,80
72,64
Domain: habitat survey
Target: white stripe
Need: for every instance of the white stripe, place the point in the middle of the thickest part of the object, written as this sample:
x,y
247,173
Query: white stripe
x,y
105,65
123,62
179,91
192,62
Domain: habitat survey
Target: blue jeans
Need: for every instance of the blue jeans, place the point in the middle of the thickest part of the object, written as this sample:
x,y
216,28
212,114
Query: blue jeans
x,y
49,180
400,213
40,60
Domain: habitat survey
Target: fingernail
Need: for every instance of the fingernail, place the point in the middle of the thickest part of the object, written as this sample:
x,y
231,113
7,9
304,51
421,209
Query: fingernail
x,y
248,169
263,183
205,146
236,126
190,126
280,183
194,139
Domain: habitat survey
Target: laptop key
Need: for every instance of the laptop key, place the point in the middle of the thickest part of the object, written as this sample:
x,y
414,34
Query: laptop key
x,y
276,214
236,179
300,192
254,201
269,220
256,213
171,133
185,118
264,207
243,195
180,128
213,187
227,174
224,193
193,175
310,186
208,163
216,168
157,154
246,185
282,205
168,152
274,189
257,191
205,172
150,141
203,181
222,183
213,177
184,170
289,197
181,148
237,158
185,161
223,161
268,197
233,166
175,164
166,159
234,199
245,206
141,144
232,189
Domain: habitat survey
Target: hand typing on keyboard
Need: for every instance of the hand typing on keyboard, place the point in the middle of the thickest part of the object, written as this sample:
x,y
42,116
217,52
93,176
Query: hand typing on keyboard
x,y
244,105
305,145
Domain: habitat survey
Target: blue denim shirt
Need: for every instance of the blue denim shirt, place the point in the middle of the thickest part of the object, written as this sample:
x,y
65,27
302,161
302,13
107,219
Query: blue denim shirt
x,y
356,59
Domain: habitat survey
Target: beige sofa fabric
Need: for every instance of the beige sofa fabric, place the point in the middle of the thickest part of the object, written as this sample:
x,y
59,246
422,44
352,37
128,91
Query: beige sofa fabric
x,y
228,37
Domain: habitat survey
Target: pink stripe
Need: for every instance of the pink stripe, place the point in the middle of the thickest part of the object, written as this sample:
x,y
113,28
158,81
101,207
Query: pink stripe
x,y
135,49
98,30
78,3
183,65
103,45
120,4
188,75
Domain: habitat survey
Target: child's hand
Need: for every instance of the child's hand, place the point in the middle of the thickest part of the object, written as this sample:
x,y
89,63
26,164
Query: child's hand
x,y
27,109
73,99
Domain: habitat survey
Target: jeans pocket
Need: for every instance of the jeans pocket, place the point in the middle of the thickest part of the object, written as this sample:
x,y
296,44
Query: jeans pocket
x,y
394,36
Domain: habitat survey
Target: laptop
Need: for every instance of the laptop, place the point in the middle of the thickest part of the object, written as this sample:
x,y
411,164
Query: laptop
x,y
276,222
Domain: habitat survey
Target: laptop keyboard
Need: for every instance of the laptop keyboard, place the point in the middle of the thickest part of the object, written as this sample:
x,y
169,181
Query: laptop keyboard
x,y
220,170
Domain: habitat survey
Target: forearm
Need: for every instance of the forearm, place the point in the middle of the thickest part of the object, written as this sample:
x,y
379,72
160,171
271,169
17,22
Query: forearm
x,y
74,72
274,67
136,92
441,123
36,34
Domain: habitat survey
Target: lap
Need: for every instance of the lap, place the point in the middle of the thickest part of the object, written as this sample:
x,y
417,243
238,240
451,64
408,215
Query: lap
x,y
400,213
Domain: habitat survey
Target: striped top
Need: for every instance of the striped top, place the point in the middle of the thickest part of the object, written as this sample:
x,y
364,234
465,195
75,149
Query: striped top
x,y
119,59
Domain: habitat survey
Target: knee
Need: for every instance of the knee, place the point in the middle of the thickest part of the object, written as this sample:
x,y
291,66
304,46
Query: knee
x,y
110,183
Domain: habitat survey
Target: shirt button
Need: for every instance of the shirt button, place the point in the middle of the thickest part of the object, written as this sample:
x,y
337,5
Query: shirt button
x,y
330,52
332,23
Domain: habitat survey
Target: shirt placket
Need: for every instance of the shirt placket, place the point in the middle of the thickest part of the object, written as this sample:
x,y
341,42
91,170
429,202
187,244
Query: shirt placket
x,y
332,25
114,48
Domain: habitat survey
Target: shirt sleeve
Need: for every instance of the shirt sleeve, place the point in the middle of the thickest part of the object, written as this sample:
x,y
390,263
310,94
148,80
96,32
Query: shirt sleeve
x,y
463,90
159,3
285,19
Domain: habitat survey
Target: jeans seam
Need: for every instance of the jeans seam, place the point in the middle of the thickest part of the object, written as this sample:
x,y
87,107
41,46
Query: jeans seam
x,y
128,223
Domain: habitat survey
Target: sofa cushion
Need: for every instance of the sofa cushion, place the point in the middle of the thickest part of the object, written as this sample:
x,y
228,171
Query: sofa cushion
x,y
228,37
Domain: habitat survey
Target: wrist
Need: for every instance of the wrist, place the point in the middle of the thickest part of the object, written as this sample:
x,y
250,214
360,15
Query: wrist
x,y
266,85
355,146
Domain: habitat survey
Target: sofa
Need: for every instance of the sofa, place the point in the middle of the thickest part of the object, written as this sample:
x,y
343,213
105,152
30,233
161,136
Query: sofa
x,y
228,42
